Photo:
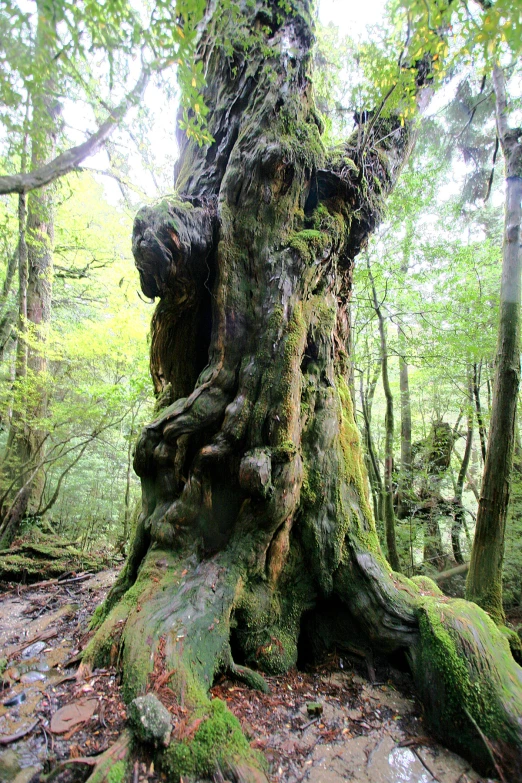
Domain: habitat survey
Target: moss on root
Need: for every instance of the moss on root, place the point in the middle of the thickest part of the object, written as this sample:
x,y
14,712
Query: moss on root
x,y
117,773
426,585
217,741
466,675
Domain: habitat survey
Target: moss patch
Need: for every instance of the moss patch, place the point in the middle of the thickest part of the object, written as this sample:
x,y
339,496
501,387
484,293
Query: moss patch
x,y
466,675
217,739
117,773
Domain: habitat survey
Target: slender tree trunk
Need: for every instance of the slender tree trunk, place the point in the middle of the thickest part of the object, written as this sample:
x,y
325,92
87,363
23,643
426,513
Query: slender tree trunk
x,y
404,490
7,313
389,513
26,436
484,583
478,408
372,460
459,489
256,537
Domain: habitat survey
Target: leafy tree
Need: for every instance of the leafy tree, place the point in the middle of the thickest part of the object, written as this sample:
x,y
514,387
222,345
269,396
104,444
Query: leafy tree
x,y
52,54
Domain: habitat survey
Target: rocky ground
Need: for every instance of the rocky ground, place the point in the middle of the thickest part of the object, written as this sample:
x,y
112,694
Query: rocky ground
x,y
326,725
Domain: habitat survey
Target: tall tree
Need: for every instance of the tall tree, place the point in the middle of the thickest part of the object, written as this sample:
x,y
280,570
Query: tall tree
x,y
484,583
256,530
27,439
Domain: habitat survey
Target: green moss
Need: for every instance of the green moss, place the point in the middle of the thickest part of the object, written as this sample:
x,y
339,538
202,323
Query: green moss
x,y
3,665
465,673
309,243
302,140
312,486
117,773
426,585
354,467
293,347
217,740
513,639
97,618
103,648
268,622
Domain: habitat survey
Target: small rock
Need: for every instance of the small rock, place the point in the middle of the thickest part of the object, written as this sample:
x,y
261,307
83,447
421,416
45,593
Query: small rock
x,y
33,649
314,708
18,698
32,677
150,720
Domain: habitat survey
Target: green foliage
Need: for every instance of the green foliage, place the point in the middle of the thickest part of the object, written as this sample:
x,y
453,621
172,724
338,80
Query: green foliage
x,y
97,378
91,50
435,265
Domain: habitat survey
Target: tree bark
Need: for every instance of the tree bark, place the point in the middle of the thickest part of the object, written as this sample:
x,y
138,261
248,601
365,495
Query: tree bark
x,y
372,462
257,534
405,478
484,583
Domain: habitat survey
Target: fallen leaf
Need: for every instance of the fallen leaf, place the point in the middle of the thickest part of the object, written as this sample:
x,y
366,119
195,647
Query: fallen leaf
x,y
73,714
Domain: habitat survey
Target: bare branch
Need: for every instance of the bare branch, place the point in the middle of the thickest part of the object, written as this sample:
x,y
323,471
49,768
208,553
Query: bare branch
x,y
73,157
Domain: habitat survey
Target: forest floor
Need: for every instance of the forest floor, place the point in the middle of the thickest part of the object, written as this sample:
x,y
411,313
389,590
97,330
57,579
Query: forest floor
x,y
369,728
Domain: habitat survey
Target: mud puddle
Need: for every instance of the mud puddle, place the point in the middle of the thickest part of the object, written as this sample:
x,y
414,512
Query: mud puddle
x,y
365,733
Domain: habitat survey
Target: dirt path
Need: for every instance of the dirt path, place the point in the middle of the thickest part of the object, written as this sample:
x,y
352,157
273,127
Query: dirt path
x,y
360,732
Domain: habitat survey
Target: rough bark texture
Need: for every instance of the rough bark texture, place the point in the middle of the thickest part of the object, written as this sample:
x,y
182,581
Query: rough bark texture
x,y
256,536
484,583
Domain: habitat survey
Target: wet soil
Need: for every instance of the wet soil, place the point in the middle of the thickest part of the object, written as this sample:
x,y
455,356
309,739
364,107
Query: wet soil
x,y
325,725
42,630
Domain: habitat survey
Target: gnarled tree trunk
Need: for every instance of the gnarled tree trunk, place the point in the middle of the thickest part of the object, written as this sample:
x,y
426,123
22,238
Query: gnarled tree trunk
x,y
256,519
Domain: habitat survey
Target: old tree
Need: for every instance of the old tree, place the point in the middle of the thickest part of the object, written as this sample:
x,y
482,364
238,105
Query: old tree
x,y
256,536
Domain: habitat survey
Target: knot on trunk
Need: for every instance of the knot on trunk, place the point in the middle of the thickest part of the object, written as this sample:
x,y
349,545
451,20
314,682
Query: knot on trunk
x,y
171,242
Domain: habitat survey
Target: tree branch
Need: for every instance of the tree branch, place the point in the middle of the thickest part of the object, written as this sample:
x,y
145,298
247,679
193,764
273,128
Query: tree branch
x,y
70,159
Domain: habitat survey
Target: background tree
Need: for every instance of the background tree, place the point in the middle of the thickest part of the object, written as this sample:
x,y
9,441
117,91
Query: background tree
x,y
484,584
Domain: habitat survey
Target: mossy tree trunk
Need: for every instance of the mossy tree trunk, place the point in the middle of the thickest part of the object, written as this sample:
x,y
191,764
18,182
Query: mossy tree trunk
x,y
484,583
256,530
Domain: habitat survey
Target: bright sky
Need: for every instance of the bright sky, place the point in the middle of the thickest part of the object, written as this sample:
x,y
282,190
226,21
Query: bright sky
x,y
351,16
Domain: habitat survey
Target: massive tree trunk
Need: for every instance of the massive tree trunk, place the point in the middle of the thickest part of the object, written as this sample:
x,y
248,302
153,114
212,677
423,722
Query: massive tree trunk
x,y
256,530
